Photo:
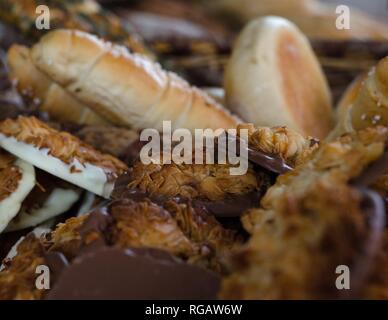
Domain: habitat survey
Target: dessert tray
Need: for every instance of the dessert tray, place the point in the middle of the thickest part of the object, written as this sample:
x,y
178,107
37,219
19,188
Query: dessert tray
x,y
296,122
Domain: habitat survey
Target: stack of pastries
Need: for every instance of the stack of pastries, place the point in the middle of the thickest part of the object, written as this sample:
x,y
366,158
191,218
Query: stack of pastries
x,y
77,197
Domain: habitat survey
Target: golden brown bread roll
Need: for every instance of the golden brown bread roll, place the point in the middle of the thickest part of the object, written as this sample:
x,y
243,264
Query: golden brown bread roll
x,y
127,89
51,97
273,78
365,103
342,111
371,105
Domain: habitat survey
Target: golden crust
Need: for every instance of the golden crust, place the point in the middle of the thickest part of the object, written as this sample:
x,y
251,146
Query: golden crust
x,y
309,222
17,280
182,231
291,146
10,175
179,229
127,89
212,182
66,238
215,242
147,225
60,144
39,89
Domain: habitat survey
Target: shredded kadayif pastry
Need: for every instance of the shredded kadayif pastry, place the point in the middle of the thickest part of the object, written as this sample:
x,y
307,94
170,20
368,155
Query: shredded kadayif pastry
x,y
309,222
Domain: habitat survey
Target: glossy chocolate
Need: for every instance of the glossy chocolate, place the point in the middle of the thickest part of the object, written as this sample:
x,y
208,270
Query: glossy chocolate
x,y
112,273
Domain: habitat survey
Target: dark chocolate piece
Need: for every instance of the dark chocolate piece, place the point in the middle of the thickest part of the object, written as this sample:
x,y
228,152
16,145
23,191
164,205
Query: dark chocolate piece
x,y
97,222
270,162
230,207
112,273
57,262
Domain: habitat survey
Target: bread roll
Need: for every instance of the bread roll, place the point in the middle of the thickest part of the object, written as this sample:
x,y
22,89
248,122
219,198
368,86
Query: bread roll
x,y
273,79
51,97
342,111
127,89
371,106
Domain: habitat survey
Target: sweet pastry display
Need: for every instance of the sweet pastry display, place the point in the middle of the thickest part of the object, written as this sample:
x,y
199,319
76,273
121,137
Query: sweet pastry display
x,y
261,186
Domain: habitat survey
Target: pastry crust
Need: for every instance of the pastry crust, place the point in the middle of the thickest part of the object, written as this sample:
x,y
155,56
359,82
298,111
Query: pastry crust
x,y
286,143
60,154
17,179
273,78
310,222
178,229
212,182
49,96
125,88
18,279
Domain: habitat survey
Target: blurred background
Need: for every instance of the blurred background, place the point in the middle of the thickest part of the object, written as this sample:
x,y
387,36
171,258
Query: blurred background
x,y
195,37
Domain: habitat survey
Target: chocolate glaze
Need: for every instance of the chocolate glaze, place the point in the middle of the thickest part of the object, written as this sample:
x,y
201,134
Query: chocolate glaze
x,y
270,162
57,262
112,273
97,222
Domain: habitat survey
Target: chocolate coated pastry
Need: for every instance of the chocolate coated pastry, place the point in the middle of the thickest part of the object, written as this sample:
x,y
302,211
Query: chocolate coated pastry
x,y
312,220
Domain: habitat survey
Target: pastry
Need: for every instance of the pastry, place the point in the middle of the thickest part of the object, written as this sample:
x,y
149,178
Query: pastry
x,y
371,105
288,145
312,220
17,179
344,104
273,78
124,88
37,88
49,198
122,225
271,151
86,15
60,154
